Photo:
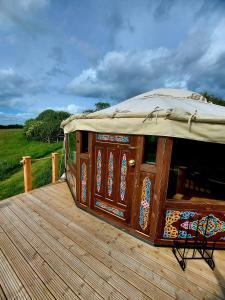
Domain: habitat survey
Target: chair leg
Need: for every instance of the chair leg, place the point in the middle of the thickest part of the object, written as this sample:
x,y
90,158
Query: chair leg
x,y
180,259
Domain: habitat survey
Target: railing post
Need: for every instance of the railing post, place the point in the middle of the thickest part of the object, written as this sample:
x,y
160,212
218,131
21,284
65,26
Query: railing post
x,y
27,173
55,168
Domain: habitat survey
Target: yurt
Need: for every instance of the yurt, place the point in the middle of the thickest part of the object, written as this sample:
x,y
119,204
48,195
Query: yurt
x,y
150,163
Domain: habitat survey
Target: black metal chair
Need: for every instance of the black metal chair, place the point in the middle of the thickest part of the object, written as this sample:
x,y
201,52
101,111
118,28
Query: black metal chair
x,y
186,248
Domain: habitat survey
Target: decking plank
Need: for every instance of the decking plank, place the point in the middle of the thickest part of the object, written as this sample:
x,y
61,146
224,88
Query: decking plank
x,y
194,282
197,267
112,293
92,278
127,273
53,282
32,283
165,252
64,244
2,294
93,257
11,286
76,283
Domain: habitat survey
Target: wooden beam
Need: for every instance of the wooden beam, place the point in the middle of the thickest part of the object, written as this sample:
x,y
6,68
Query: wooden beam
x,y
164,152
91,153
55,167
27,173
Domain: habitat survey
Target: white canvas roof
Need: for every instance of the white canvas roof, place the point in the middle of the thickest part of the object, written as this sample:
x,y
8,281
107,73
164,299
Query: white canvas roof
x,y
161,112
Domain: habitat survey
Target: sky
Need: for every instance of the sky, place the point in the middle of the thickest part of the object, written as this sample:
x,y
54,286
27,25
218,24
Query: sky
x,y
70,54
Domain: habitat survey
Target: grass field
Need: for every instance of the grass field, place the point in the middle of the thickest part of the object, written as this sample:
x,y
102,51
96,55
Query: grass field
x,y
13,146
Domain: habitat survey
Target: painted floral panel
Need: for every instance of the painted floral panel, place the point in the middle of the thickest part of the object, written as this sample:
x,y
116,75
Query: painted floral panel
x,y
83,182
123,177
110,174
99,170
178,224
145,203
113,210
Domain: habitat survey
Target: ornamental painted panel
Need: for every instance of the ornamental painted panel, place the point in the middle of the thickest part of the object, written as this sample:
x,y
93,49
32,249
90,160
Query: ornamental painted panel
x,y
145,203
113,138
123,175
110,176
113,210
99,170
207,226
83,182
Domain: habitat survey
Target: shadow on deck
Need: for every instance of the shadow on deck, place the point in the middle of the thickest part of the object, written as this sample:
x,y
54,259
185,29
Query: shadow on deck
x,y
50,249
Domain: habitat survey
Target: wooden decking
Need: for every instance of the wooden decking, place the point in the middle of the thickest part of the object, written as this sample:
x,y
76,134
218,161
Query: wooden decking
x,y
50,249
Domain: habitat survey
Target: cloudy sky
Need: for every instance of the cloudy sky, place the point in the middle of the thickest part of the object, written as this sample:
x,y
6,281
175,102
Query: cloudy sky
x,y
69,54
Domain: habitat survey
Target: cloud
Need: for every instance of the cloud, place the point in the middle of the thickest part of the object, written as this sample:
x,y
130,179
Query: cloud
x,y
11,103
119,74
70,108
57,55
117,22
55,71
11,84
123,48
21,13
9,7
14,86
85,48
19,118
163,8
198,63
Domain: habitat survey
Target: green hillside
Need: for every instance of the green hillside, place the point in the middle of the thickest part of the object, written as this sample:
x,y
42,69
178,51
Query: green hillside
x,y
13,146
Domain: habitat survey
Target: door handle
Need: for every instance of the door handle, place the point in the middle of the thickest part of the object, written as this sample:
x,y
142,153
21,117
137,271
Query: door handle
x,y
131,162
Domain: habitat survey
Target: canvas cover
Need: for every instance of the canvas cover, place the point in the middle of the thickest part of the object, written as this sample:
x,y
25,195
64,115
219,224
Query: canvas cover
x,y
162,112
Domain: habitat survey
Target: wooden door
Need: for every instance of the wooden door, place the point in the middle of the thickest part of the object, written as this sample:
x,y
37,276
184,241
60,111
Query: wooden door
x,y
113,177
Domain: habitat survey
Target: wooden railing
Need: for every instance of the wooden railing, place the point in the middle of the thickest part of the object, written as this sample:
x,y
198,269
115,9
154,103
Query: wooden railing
x,y
27,170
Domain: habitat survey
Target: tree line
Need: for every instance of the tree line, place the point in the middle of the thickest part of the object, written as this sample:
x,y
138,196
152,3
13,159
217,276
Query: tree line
x,y
11,126
46,127
214,99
